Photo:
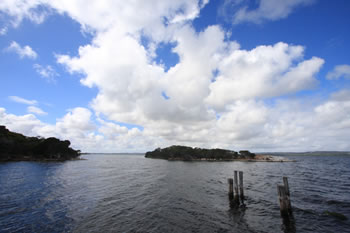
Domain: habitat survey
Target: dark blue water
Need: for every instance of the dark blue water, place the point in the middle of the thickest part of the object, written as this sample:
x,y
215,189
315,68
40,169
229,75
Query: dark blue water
x,y
128,193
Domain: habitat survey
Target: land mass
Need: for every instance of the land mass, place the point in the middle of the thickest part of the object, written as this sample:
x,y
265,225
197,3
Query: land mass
x,y
312,153
185,153
17,147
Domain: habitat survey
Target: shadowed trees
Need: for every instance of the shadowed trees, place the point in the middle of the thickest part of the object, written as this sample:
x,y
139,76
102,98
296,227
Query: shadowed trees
x,y
188,153
15,146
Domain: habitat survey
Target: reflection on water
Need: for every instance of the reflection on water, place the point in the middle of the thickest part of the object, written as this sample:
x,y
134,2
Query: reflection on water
x,y
128,193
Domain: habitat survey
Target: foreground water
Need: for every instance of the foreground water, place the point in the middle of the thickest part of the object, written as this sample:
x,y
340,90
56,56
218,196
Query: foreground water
x,y
128,193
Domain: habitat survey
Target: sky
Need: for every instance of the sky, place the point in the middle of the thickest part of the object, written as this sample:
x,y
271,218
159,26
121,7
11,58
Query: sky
x,y
131,76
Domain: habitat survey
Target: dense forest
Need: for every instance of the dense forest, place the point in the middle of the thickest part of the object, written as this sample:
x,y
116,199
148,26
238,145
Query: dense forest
x,y
189,153
16,147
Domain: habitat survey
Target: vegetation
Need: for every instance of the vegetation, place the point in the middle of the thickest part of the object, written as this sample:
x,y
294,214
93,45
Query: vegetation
x,y
189,154
15,146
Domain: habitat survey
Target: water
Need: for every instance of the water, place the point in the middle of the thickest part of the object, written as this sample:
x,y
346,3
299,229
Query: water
x,y
128,193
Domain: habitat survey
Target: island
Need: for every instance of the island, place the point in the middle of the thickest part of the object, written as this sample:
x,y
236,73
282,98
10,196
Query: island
x,y
17,147
185,153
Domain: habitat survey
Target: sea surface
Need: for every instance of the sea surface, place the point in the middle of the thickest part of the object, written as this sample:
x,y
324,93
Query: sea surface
x,y
129,193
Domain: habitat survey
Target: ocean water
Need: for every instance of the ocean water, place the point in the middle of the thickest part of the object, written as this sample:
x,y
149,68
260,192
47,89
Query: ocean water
x,y
129,193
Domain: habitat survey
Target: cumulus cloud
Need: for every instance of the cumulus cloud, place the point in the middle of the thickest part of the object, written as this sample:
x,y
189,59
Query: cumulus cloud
x,y
212,89
26,124
21,100
23,52
273,70
266,71
17,10
152,16
244,120
46,72
216,93
77,126
247,124
77,119
36,110
338,72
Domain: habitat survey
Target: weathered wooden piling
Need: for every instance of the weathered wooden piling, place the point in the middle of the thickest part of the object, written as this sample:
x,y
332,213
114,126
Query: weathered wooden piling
x,y
286,187
236,197
284,199
241,186
282,196
230,188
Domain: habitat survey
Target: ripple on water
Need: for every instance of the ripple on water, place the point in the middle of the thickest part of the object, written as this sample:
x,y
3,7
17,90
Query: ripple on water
x,y
128,193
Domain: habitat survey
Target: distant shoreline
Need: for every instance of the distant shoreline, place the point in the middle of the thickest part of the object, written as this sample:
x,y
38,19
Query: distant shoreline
x,y
260,158
184,153
311,153
22,159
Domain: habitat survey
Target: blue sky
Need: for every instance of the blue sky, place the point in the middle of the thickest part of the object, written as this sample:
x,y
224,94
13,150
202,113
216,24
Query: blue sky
x,y
112,76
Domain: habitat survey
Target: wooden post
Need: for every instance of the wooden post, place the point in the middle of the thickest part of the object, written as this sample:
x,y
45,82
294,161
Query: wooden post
x,y
230,189
286,187
236,188
241,186
285,182
282,200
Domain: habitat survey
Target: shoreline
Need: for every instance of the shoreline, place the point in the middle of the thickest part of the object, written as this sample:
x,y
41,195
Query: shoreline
x,y
258,158
39,160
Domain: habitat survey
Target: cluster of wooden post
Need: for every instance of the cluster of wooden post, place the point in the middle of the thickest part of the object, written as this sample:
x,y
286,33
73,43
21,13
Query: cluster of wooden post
x,y
236,194
284,199
236,197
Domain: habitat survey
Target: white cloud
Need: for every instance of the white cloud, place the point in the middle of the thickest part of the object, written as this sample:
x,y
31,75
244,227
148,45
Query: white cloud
x,y
342,95
26,124
289,125
17,10
150,17
21,100
3,31
78,119
47,72
266,71
244,120
190,12
36,110
126,81
271,10
338,72
217,91
23,52
130,84
78,127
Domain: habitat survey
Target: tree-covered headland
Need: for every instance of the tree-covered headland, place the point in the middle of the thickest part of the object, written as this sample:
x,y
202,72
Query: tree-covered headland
x,y
17,147
189,154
